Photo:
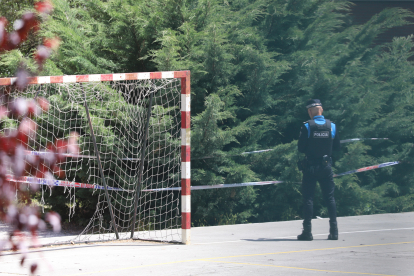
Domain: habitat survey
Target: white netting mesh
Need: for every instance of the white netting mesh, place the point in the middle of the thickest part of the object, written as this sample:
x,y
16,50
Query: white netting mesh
x,y
118,112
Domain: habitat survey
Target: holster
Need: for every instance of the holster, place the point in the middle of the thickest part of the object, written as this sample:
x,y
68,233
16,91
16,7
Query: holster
x,y
305,164
326,160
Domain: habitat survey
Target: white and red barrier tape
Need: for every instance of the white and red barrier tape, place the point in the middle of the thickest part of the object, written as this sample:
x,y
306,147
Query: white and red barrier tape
x,y
58,183
218,186
383,165
61,183
266,150
39,153
204,187
137,159
361,139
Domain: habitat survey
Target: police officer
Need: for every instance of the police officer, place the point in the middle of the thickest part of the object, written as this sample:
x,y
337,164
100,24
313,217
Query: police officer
x,y
318,137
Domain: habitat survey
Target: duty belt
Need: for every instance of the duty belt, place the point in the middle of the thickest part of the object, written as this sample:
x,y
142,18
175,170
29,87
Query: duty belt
x,y
325,160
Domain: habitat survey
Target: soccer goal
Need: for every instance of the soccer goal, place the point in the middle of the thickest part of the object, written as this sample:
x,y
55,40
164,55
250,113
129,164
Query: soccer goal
x,y
134,138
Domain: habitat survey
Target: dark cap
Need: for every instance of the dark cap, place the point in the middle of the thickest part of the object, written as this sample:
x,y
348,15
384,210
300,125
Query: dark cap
x,y
313,102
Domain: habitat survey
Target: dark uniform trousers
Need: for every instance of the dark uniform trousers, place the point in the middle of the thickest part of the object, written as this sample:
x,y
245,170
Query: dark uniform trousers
x,y
324,175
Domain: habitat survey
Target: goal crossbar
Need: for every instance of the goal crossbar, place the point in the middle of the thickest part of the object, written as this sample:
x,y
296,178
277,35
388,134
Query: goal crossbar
x,y
102,77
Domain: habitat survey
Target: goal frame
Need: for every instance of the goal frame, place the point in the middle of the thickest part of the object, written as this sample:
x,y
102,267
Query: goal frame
x,y
185,123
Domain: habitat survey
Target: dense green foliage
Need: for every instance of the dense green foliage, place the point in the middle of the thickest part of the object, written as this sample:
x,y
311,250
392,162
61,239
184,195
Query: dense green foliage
x,y
254,63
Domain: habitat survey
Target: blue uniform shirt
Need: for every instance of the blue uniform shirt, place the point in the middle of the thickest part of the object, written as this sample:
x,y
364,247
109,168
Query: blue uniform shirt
x,y
320,120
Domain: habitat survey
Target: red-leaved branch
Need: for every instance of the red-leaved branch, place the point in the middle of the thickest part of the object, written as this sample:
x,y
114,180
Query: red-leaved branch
x,y
20,215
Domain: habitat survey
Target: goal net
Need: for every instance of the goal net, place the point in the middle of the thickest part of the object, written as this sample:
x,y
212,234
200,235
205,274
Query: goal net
x,y
132,140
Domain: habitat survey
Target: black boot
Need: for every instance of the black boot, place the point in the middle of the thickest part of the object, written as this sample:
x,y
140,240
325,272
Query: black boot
x,y
306,233
333,231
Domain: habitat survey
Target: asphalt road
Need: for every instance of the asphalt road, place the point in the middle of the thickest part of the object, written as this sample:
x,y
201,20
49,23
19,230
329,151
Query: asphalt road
x,y
368,245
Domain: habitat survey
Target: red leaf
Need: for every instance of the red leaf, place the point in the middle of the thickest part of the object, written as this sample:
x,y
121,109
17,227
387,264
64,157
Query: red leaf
x,y
24,25
43,103
41,55
3,33
58,172
21,29
51,147
52,43
29,19
44,7
3,145
61,145
8,145
32,109
22,137
43,169
39,174
33,268
28,126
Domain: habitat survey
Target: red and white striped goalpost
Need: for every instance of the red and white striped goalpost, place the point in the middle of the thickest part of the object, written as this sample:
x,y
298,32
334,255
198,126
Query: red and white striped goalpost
x,y
185,123
185,159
